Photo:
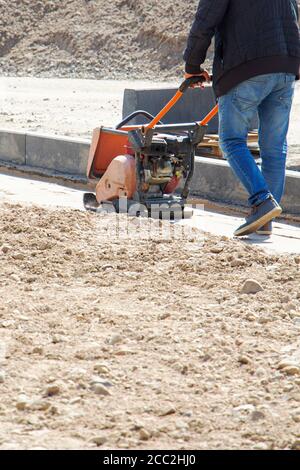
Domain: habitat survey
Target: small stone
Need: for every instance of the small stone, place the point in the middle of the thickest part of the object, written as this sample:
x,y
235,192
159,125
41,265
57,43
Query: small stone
x,y
251,287
40,405
287,363
102,381
5,248
56,339
244,360
235,263
15,277
19,256
115,339
75,400
260,446
296,415
53,390
38,350
257,415
101,369
164,316
100,389
53,410
291,370
22,403
169,410
98,440
2,376
260,372
296,445
217,249
144,435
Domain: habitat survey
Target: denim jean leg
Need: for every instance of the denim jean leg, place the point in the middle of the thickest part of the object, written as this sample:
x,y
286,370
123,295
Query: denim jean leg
x,y
274,114
235,117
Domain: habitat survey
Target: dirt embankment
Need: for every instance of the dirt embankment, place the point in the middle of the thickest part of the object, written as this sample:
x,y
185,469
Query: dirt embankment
x,y
94,38
143,343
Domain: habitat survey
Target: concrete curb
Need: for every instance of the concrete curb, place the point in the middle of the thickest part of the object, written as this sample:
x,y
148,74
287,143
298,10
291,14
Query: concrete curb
x,y
67,158
45,154
214,180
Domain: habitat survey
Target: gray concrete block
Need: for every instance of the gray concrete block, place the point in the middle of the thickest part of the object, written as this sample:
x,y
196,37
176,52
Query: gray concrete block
x,y
12,147
214,180
291,198
63,155
193,106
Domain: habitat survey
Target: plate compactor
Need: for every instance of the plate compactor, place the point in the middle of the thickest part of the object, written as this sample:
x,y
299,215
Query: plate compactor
x,y
145,169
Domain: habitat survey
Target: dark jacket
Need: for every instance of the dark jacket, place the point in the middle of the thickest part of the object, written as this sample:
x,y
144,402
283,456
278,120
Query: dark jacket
x,y
252,37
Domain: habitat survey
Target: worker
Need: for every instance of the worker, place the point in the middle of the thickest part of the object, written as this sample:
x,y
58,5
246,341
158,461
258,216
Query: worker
x,y
256,62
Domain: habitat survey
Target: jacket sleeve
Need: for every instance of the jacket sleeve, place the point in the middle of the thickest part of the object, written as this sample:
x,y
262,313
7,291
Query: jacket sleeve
x,y
209,15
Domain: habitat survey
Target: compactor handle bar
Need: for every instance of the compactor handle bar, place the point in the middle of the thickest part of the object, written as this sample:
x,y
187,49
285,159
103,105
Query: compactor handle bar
x,y
183,87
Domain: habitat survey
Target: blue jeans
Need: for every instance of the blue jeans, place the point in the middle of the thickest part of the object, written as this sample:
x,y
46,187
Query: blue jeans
x,y
270,95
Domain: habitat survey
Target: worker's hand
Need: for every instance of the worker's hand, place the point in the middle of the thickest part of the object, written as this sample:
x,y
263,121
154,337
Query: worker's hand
x,y
204,74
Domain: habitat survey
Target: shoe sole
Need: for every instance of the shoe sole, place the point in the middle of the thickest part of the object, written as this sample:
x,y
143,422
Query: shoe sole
x,y
258,223
264,232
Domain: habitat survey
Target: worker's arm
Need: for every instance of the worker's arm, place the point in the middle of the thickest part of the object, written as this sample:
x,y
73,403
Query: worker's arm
x,y
209,15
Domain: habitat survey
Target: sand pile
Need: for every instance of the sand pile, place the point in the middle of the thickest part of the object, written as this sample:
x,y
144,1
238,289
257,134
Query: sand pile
x,y
94,38
143,343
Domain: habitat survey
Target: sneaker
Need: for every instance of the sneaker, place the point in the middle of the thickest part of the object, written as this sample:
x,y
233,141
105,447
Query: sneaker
x,y
265,229
260,215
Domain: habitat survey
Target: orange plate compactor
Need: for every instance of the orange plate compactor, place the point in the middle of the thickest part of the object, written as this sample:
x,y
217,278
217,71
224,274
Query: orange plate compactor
x,y
147,168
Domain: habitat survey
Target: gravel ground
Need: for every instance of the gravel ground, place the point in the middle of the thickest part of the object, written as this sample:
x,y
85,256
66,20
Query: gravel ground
x,y
209,366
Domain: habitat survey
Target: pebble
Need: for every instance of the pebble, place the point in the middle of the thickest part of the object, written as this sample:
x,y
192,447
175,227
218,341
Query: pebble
x,y
102,381
251,287
2,376
244,360
169,410
100,389
40,405
53,390
296,415
296,445
291,370
75,400
257,415
248,408
19,256
22,403
101,369
260,372
115,339
38,350
217,249
98,440
5,248
144,435
260,446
